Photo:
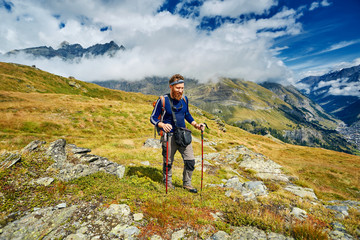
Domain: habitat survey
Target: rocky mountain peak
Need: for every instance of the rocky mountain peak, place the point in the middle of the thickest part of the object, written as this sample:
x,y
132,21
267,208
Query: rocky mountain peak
x,y
67,51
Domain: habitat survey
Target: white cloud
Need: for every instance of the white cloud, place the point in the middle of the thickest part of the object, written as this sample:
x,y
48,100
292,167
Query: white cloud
x,y
158,43
315,5
340,45
234,8
341,86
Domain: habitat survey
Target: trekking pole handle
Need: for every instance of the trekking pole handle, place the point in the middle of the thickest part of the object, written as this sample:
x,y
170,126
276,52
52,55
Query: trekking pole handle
x,y
204,124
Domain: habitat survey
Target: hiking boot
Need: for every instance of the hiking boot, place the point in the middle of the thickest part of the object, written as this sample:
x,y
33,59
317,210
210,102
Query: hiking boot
x,y
191,189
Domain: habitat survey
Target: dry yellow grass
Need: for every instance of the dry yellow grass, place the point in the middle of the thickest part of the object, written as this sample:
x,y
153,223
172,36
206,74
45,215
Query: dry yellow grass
x,y
117,129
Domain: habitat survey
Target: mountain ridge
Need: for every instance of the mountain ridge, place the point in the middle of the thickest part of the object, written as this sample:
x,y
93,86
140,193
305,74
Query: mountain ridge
x,y
284,112
67,51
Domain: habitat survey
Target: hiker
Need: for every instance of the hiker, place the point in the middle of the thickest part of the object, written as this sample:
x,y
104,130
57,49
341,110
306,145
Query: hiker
x,y
166,108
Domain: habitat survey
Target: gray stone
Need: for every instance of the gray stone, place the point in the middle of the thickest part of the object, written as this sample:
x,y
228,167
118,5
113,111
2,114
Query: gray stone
x,y
248,233
220,235
301,192
339,208
338,227
138,216
45,181
337,235
156,237
178,235
124,231
120,171
77,150
118,210
76,236
299,213
234,183
10,159
34,145
152,143
37,225
57,151
89,158
61,205
257,187
277,236
145,163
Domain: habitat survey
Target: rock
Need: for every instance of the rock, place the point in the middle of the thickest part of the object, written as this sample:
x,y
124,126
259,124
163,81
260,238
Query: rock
x,y
338,227
118,210
339,208
337,235
156,237
152,143
89,164
57,151
234,183
247,233
38,224
124,231
77,150
61,205
249,190
257,187
301,192
10,159
220,235
178,235
77,236
45,181
253,233
138,216
34,145
145,163
277,236
299,213
89,158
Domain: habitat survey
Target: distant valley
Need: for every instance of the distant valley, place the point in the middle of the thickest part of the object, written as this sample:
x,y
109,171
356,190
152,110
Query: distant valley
x,y
269,108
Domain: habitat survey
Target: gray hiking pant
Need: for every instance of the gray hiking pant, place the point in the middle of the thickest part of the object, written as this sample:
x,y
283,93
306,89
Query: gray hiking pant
x,y
187,154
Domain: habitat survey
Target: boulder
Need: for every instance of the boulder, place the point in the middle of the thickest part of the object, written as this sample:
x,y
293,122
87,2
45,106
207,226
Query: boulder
x,y
57,151
31,147
152,143
257,187
301,192
9,159
299,213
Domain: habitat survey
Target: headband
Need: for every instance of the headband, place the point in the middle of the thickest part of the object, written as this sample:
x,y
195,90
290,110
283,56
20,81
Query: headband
x,y
177,82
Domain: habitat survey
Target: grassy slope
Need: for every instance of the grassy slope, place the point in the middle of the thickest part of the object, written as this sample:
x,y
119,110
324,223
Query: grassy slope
x,y
115,124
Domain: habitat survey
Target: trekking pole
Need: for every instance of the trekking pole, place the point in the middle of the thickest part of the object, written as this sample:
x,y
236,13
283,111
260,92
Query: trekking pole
x,y
202,156
167,160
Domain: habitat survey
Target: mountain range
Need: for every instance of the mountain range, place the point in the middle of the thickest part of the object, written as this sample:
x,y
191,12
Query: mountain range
x,y
266,109
313,116
68,51
337,92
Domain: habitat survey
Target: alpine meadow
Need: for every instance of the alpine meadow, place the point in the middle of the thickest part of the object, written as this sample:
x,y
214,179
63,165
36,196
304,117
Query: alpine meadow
x,y
253,185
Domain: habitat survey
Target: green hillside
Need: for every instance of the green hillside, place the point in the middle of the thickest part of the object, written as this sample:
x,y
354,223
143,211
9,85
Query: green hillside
x,y
36,105
270,108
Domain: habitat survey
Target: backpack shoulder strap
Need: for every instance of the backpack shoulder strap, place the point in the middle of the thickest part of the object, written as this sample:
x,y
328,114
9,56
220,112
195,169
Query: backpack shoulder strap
x,y
183,97
163,102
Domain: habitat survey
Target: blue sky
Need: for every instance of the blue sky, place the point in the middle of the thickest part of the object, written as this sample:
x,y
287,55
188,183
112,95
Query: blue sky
x,y
263,40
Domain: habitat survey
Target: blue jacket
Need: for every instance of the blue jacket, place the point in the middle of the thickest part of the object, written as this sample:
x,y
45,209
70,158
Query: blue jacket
x,y
181,112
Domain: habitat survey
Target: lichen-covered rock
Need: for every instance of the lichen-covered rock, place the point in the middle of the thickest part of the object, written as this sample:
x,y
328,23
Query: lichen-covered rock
x,y
301,192
38,224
